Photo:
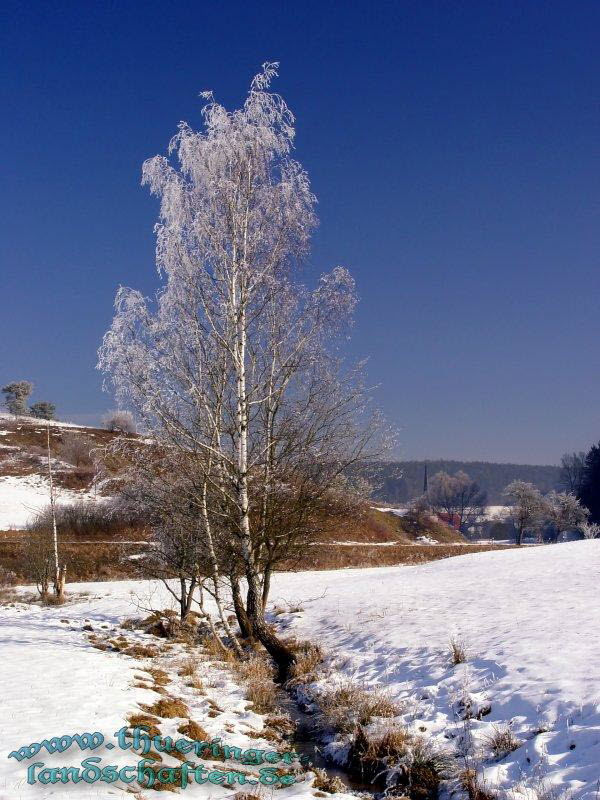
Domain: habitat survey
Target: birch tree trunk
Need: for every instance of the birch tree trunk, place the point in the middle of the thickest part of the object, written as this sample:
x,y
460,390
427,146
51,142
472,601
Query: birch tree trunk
x,y
59,572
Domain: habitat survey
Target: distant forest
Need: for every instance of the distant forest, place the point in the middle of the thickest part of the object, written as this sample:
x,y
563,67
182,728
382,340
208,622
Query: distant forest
x,y
399,481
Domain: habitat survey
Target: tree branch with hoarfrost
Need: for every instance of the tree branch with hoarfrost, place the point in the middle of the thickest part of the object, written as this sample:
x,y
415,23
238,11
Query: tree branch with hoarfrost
x,y
235,362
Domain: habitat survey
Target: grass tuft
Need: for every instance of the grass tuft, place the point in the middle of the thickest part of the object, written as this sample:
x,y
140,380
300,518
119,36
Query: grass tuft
x,y
168,708
502,741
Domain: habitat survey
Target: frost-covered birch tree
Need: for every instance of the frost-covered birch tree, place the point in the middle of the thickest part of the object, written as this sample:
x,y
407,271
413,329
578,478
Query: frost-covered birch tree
x,y
528,507
235,361
565,512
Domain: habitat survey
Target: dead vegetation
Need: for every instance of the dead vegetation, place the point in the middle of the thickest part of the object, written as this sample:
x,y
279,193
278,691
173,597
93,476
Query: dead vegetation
x,y
146,721
168,708
400,763
349,705
258,678
194,731
501,741
458,651
140,651
475,787
308,658
327,783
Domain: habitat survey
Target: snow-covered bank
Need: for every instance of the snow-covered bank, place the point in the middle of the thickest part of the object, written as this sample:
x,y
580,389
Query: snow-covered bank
x,y
55,683
530,623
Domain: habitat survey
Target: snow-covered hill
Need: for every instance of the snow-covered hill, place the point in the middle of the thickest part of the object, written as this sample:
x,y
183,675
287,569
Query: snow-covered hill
x,y
528,619
24,486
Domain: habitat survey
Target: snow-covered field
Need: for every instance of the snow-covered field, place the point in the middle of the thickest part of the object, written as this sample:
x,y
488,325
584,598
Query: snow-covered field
x,y
528,619
23,496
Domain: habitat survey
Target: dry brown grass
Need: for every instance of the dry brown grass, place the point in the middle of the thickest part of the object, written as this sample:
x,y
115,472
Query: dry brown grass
x,y
350,704
140,651
187,668
458,650
422,766
501,741
196,683
257,676
194,731
217,651
474,786
167,786
389,747
308,658
329,556
327,783
159,676
168,708
280,722
138,720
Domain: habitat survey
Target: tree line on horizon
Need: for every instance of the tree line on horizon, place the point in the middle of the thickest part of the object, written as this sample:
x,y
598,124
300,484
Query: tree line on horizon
x,y
402,481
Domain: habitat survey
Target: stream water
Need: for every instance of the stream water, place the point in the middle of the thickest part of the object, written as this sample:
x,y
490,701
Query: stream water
x,y
305,740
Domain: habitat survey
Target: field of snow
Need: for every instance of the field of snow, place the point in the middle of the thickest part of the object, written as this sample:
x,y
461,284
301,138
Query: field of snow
x,y
23,496
528,620
55,423
530,624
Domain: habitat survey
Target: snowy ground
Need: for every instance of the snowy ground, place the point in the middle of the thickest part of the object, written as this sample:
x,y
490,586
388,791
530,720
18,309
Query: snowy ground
x,y
10,418
528,618
55,683
23,496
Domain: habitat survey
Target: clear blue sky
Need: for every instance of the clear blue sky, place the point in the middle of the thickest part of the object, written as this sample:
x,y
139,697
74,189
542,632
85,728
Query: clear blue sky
x,y
454,150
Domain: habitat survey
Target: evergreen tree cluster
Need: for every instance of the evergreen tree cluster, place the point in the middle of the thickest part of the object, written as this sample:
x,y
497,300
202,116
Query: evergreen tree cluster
x,y
17,396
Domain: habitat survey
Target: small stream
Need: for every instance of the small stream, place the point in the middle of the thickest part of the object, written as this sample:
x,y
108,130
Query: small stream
x,y
305,742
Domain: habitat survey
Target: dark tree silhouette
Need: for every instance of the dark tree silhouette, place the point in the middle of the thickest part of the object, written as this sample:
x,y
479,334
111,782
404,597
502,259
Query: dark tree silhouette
x,y
589,492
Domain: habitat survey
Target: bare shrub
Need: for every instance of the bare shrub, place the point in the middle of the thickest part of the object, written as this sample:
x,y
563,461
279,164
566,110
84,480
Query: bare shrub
x,y
8,578
458,651
86,519
502,741
37,559
77,450
119,421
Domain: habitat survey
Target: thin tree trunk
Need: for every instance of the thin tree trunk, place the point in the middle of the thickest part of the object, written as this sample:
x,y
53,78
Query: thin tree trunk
x,y
266,586
215,576
208,619
240,611
187,596
281,654
60,574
